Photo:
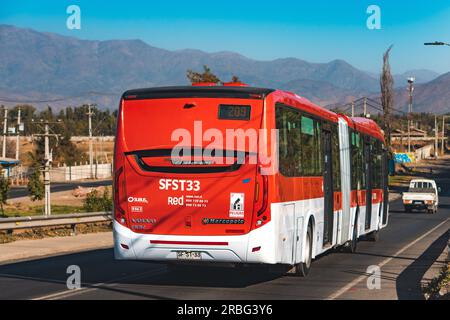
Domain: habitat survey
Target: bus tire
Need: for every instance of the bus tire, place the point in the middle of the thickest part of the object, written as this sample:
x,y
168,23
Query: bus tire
x,y
352,244
374,236
302,268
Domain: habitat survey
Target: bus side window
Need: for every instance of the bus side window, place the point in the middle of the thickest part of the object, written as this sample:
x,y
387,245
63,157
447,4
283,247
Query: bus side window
x,y
288,124
336,159
312,147
362,163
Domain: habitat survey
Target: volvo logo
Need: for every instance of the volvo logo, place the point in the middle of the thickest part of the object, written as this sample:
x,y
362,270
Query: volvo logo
x,y
143,220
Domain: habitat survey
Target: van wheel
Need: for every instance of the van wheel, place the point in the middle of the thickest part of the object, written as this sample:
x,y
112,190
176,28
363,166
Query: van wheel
x,y
302,268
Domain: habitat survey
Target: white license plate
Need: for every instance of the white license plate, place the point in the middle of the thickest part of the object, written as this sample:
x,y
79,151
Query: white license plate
x,y
189,255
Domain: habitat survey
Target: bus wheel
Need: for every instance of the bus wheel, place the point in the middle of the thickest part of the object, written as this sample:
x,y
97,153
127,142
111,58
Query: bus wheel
x,y
302,268
374,236
352,244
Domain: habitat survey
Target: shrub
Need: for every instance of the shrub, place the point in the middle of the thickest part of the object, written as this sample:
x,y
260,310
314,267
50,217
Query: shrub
x,y
95,202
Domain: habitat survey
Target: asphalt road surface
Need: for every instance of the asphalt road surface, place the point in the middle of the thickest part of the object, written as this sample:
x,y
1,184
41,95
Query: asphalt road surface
x,y
18,192
405,251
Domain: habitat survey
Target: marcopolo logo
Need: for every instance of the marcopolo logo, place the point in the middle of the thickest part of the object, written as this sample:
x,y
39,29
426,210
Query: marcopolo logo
x,y
222,221
137,200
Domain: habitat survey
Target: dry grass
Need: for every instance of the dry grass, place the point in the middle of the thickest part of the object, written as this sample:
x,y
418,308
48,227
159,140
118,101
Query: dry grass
x,y
439,287
23,210
400,180
103,151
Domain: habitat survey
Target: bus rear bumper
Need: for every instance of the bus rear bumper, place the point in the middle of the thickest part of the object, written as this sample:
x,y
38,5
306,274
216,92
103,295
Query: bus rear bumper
x,y
254,247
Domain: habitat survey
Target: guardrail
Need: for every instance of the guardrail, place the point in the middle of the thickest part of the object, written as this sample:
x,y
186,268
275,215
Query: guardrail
x,y
73,219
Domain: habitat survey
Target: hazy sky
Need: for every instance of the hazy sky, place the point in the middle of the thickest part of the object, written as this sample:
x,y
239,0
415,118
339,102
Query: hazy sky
x,y
316,31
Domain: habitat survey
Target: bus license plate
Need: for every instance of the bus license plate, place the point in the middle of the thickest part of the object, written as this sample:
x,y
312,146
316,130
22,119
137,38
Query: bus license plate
x,y
189,255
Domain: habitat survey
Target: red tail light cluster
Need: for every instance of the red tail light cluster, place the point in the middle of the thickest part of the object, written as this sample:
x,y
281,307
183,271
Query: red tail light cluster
x,y
261,200
119,196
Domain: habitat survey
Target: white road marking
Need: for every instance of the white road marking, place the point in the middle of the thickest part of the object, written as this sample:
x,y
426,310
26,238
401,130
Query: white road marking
x,y
111,283
353,283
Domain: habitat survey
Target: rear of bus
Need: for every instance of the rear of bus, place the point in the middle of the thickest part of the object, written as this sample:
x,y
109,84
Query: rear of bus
x,y
201,202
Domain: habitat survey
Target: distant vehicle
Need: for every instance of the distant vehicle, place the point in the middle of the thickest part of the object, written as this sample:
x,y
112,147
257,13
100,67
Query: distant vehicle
x,y
422,195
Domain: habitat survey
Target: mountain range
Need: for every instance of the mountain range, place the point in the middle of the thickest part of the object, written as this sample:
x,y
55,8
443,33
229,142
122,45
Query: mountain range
x,y
60,70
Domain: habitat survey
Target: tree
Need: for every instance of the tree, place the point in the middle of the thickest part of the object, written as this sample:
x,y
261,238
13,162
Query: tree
x,y
4,189
235,79
35,183
205,76
387,95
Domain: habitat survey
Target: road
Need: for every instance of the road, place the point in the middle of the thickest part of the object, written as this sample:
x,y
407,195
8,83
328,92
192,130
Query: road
x,y
405,251
18,192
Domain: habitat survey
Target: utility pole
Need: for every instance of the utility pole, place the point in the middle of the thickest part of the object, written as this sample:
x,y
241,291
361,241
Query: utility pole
x,y
5,128
410,89
365,106
91,156
47,165
436,131
401,136
353,108
18,134
443,136
47,159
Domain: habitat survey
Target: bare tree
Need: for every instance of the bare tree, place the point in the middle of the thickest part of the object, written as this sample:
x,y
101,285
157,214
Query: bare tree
x,y
387,95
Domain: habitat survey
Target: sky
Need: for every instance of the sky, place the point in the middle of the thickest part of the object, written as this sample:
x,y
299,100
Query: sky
x,y
315,31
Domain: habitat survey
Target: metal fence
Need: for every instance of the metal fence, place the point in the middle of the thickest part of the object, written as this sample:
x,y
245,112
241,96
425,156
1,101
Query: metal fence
x,y
73,173
73,219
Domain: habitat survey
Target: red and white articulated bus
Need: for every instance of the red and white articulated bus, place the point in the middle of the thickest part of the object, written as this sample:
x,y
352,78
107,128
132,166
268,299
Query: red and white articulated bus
x,y
258,176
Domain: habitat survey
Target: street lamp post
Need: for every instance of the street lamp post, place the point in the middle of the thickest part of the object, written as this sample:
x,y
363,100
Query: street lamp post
x,y
411,90
436,43
439,43
443,148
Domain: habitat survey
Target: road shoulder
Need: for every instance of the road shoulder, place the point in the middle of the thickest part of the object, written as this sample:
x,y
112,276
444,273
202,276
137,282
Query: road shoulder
x,y
32,249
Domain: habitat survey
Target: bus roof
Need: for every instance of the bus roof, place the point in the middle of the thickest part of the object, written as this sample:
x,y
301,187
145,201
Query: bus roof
x,y
229,91
302,103
197,92
365,125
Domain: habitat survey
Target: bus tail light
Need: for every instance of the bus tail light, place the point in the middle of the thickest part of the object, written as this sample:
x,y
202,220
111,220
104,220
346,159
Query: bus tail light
x,y
119,196
261,199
